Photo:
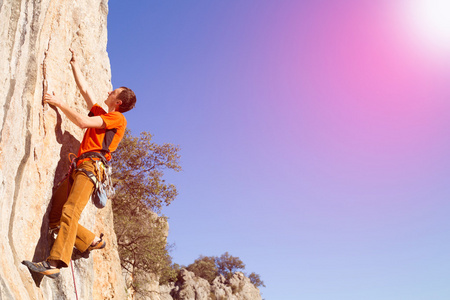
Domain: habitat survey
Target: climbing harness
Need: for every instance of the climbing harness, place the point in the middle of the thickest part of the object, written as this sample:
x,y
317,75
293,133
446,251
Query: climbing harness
x,y
102,189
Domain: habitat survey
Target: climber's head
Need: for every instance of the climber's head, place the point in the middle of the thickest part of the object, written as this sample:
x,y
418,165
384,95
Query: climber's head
x,y
128,99
122,99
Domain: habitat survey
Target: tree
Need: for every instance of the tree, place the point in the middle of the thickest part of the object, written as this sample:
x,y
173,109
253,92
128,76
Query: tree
x,y
228,264
170,274
255,279
141,192
138,170
204,267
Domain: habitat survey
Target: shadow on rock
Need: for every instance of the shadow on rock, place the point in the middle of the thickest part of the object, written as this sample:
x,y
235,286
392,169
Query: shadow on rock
x,y
68,144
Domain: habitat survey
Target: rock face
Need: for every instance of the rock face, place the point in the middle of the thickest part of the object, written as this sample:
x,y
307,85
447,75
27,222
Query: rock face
x,y
191,287
35,139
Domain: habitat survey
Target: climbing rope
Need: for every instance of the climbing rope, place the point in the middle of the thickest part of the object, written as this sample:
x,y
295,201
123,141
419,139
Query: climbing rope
x,y
74,284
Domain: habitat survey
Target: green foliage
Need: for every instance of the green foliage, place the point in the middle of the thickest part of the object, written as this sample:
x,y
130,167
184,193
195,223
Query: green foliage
x,y
228,265
204,267
138,166
170,274
255,279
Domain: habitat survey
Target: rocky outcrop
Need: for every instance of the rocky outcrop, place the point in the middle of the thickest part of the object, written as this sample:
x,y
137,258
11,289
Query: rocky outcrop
x,y
35,139
242,287
191,287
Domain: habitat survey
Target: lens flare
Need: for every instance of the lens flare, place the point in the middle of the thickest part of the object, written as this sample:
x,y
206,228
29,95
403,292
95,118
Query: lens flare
x,y
429,21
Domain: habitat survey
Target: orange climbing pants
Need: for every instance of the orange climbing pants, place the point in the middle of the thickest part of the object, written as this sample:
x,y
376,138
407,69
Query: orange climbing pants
x,y
66,211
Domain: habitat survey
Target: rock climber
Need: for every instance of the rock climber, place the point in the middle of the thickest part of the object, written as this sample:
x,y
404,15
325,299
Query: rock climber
x,y
104,131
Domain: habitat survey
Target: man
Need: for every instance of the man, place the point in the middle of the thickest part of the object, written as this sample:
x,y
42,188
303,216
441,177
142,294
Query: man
x,y
104,130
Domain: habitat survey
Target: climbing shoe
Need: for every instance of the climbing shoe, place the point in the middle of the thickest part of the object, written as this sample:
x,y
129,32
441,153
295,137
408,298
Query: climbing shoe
x,y
42,267
100,244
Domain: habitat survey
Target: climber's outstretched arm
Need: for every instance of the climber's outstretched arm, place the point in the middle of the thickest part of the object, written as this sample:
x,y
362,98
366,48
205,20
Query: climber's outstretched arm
x,y
78,119
81,82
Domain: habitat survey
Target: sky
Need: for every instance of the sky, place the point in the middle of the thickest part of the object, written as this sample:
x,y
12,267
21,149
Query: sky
x,y
314,137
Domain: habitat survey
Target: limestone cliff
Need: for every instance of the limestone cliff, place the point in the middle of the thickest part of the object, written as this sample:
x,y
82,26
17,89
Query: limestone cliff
x,y
35,36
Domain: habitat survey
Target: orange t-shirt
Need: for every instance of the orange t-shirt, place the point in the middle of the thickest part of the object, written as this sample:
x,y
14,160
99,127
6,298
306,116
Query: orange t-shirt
x,y
104,139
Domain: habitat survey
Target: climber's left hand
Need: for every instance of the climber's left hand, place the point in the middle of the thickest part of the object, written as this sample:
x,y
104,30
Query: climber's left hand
x,y
52,99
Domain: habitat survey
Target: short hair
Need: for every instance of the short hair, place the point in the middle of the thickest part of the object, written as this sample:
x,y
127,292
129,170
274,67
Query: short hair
x,y
128,99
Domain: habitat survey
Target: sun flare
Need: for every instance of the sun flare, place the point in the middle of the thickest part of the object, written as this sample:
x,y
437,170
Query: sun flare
x,y
430,20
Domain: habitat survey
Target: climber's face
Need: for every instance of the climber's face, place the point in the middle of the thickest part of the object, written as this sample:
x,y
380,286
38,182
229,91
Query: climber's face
x,y
112,100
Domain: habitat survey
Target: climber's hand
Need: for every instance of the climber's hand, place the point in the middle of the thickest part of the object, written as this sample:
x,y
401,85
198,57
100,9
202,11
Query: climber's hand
x,y
72,60
52,99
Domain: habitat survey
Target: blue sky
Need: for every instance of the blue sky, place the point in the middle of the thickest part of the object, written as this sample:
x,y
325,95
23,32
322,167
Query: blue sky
x,y
313,135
